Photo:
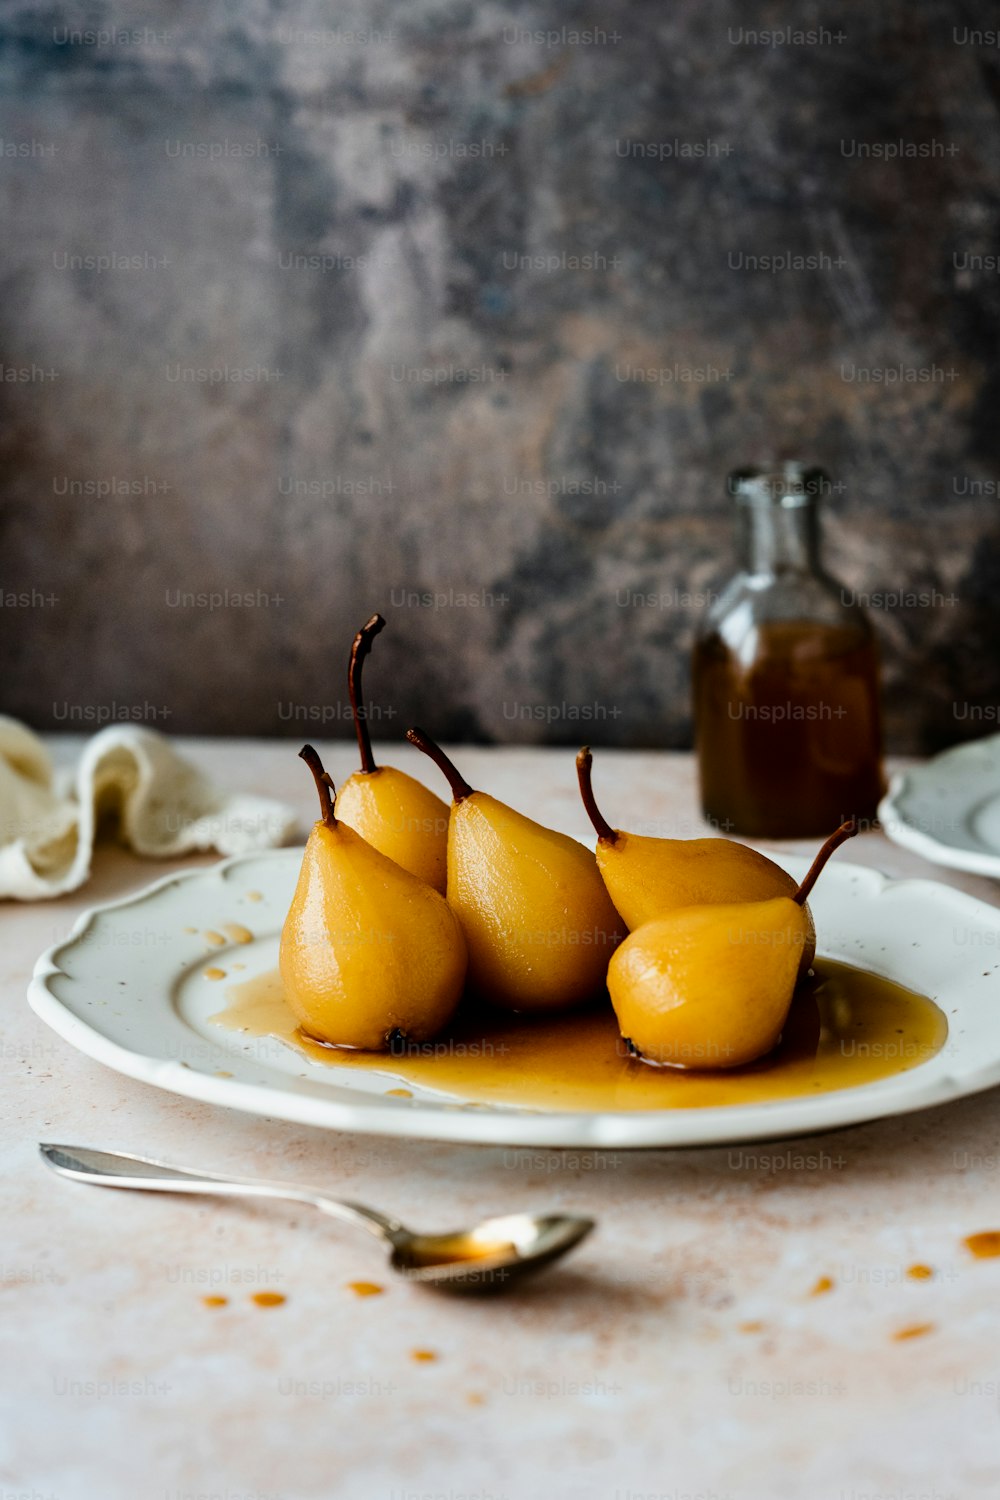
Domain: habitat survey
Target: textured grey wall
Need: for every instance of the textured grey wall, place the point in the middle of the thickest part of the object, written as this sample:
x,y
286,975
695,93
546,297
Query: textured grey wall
x,y
397,270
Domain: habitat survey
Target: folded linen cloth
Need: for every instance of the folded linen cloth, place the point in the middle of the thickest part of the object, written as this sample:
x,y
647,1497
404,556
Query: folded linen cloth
x,y
162,805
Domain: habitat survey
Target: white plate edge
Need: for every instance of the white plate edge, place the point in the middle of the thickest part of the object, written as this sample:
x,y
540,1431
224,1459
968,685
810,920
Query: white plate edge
x,y
907,835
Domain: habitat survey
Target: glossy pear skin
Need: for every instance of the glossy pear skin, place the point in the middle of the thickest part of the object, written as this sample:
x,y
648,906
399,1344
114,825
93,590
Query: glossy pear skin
x,y
367,949
649,877
709,986
400,818
538,922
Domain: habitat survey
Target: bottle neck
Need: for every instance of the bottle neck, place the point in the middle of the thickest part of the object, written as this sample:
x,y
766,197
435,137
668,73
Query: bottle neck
x,y
779,535
778,526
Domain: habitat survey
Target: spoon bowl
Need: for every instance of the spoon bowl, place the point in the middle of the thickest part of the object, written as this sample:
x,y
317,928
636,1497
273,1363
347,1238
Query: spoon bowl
x,y
488,1257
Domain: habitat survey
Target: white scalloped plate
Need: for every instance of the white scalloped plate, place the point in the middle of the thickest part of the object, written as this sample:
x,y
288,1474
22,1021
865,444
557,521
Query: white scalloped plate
x,y
948,810
126,989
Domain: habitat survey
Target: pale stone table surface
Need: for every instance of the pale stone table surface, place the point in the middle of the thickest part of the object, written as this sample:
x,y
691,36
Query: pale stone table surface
x,y
678,1353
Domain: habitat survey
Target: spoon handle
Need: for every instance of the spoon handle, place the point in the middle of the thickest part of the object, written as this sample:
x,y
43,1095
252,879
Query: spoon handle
x,y
117,1169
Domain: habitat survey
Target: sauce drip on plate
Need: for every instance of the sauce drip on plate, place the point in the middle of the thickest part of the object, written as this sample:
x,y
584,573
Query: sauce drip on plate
x,y
847,1027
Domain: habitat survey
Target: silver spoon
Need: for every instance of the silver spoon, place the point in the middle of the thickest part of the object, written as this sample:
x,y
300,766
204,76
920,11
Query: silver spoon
x,y
486,1258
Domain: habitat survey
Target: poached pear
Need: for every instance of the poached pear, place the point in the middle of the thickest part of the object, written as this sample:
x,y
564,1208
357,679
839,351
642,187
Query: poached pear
x,y
392,811
538,922
711,986
648,877
369,954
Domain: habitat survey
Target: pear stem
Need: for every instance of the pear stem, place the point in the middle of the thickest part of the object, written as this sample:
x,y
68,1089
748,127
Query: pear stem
x,y
844,832
324,785
460,788
360,649
584,769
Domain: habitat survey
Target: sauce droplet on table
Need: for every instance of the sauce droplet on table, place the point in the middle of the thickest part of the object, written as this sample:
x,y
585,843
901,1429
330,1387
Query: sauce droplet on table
x,y
268,1299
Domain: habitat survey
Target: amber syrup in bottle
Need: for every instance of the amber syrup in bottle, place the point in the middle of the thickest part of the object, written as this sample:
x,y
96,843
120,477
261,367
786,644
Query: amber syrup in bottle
x,y
785,677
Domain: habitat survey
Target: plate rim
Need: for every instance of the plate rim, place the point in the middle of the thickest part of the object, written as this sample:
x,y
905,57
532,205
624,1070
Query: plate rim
x,y
892,815
455,1122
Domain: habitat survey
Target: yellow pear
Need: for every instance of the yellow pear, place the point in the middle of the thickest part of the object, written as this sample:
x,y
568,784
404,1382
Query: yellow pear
x,y
392,811
537,919
369,954
711,986
648,877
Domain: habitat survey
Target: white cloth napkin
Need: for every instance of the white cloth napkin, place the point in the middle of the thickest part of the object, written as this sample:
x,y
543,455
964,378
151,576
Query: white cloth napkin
x,y
162,805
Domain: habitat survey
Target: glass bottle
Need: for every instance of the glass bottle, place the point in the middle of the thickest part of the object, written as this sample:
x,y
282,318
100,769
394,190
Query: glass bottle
x,y
785,672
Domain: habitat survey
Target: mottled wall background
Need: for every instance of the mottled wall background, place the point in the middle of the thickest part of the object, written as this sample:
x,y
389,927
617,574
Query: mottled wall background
x,y
445,251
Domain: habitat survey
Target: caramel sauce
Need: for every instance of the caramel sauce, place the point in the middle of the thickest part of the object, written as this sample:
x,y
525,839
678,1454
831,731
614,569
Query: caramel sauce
x,y
214,939
214,973
915,1331
423,1356
824,1284
449,1248
268,1299
365,1288
215,1301
985,1245
846,1028
237,933
919,1273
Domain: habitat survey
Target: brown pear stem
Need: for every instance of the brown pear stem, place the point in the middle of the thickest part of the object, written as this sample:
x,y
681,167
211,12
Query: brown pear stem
x,y
844,832
460,788
584,770
360,649
324,785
